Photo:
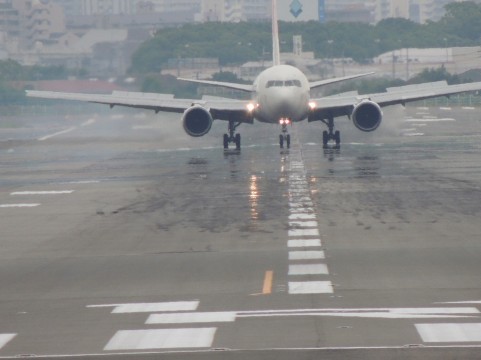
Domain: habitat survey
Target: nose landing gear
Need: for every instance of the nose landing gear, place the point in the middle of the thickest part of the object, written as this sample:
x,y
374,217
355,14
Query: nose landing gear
x,y
284,137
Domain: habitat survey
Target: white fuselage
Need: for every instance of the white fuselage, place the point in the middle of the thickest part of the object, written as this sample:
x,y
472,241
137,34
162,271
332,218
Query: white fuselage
x,y
281,92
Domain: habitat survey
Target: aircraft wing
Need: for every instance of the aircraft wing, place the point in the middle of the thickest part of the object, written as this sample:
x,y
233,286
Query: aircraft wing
x,y
235,86
221,109
316,84
343,105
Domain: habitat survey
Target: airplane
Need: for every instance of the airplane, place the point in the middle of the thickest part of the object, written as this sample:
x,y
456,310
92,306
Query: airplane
x,y
280,95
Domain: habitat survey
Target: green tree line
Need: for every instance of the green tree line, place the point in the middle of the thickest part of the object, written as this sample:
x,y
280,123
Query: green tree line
x,y
241,42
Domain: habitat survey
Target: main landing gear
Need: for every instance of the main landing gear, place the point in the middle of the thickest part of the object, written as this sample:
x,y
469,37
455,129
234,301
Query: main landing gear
x,y
232,137
331,134
284,137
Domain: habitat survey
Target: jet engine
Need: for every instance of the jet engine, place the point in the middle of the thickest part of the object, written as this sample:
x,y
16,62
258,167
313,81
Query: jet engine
x,y
197,121
367,116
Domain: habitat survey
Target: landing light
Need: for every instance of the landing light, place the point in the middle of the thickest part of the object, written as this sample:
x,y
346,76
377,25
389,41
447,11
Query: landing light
x,y
251,107
284,121
312,105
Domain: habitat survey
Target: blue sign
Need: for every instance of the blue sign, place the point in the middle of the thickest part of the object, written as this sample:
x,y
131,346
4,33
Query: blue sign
x,y
322,11
296,8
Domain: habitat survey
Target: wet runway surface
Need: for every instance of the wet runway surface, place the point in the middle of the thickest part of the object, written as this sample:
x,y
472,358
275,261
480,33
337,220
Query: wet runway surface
x,y
122,235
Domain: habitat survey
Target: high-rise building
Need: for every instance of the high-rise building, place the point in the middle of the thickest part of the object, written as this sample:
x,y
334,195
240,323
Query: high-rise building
x,y
9,19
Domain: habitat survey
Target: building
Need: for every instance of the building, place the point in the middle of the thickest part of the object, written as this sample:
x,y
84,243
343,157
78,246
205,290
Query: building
x,y
392,9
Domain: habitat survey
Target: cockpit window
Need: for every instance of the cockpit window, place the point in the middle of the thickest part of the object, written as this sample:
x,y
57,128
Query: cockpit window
x,y
287,83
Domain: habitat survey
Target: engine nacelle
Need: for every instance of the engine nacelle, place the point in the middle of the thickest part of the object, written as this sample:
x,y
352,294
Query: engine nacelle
x,y
197,121
367,116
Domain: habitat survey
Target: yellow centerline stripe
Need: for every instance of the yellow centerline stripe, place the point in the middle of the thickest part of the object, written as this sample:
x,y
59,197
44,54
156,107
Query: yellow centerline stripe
x,y
267,289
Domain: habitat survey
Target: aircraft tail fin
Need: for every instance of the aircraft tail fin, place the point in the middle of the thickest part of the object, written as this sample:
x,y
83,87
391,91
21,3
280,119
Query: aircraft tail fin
x,y
276,52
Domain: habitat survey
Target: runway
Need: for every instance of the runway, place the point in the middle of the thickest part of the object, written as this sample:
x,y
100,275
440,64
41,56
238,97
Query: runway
x,y
123,237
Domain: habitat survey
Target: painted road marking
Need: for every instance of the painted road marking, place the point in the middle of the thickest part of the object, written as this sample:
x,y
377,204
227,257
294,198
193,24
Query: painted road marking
x,y
306,255
301,205
185,318
161,339
42,192
468,332
308,269
302,216
304,224
303,232
5,339
7,206
268,280
88,122
414,120
301,210
380,313
310,287
57,134
304,243
150,307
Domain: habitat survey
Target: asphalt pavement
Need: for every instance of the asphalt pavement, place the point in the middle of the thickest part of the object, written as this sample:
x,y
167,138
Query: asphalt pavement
x,y
122,237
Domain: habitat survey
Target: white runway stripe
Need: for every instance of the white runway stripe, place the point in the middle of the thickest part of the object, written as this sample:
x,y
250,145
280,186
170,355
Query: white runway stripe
x,y
304,210
7,206
303,232
304,224
310,287
161,339
5,339
438,333
150,307
306,204
308,269
306,255
191,318
302,216
304,243
57,133
42,192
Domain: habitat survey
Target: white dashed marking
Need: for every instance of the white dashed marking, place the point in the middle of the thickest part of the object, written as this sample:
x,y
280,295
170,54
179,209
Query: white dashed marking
x,y
184,318
439,333
303,232
162,339
304,243
310,287
308,269
302,216
306,255
304,224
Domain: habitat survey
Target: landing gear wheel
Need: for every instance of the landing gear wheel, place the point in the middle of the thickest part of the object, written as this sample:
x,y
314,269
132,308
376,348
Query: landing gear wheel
x,y
226,141
238,141
288,141
325,138
337,138
281,141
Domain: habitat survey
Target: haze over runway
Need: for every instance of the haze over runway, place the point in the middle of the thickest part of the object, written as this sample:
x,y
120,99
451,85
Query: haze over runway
x,y
118,236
